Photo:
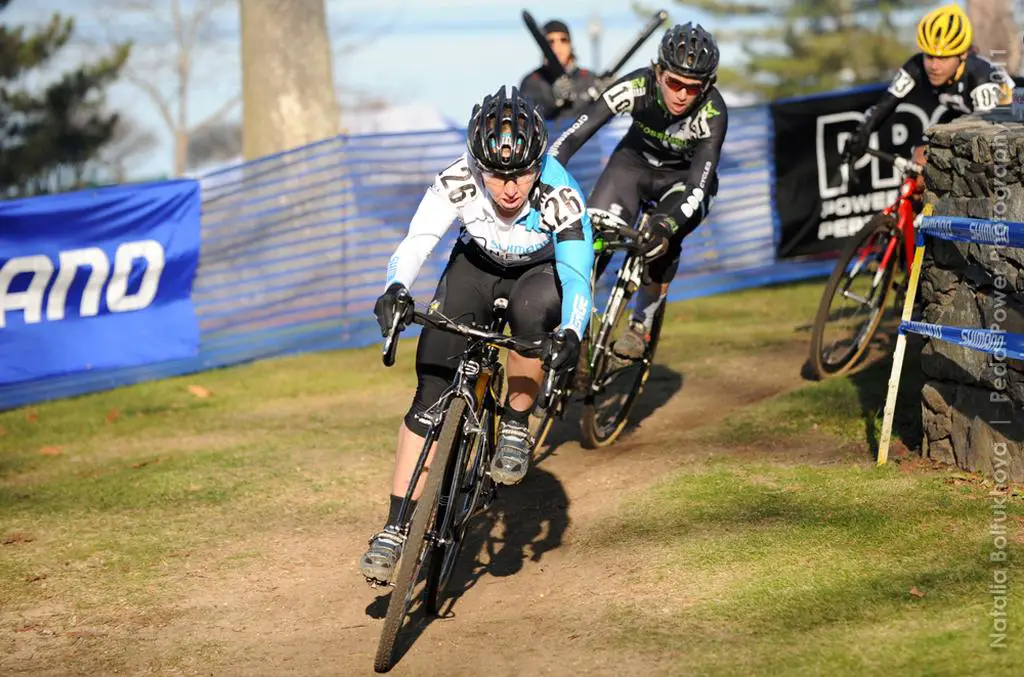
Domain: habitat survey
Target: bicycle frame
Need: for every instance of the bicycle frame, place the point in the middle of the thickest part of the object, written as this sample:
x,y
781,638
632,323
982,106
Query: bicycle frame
x,y
478,370
902,209
627,281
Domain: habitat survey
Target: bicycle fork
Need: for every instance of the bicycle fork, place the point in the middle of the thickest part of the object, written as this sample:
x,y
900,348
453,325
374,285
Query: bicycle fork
x,y
626,284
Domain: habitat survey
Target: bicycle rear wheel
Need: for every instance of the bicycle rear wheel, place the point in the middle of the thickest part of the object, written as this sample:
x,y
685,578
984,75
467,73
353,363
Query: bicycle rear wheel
x,y
616,383
418,547
854,298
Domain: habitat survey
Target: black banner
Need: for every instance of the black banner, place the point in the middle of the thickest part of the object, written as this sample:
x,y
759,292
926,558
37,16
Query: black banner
x,y
813,199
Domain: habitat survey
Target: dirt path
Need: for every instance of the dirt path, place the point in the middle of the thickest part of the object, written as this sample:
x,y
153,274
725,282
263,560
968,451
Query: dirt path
x,y
533,603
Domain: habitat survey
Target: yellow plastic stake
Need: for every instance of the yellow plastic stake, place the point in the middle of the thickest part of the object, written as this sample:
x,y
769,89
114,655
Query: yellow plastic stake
x,y
897,358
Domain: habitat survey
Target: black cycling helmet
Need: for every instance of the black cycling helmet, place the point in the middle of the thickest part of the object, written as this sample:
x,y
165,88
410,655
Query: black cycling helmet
x,y
506,134
690,51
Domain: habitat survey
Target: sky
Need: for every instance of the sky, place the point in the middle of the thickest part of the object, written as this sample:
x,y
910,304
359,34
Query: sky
x,y
443,55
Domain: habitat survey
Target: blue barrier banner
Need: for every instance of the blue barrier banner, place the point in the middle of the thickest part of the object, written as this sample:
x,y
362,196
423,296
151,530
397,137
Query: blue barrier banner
x,y
978,231
98,279
998,343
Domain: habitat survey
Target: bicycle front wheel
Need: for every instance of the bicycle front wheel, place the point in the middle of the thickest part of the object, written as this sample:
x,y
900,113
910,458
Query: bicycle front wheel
x,y
467,490
418,547
616,383
854,298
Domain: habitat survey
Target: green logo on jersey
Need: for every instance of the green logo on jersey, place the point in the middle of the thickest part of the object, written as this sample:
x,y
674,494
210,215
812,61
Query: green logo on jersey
x,y
709,110
661,136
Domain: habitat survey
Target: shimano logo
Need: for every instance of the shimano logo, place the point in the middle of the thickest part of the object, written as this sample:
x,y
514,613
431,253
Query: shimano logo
x,y
980,339
103,281
990,233
940,225
932,330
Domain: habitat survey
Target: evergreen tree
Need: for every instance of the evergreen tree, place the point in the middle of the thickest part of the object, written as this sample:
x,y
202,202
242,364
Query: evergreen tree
x,y
806,46
50,135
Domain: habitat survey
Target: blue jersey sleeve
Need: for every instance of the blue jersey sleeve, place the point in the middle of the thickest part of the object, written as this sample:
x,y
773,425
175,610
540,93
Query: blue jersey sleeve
x,y
564,213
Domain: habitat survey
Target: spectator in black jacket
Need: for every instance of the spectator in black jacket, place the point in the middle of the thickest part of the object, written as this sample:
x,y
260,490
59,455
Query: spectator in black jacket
x,y
560,98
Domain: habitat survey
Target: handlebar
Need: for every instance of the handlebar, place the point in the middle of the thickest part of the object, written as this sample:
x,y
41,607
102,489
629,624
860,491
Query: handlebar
x,y
444,324
548,386
902,164
625,233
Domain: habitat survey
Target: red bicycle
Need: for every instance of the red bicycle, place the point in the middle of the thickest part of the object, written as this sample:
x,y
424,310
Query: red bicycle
x,y
853,303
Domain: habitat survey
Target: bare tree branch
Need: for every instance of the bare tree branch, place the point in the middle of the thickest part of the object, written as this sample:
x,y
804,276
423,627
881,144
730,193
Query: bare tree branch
x,y
218,115
179,34
158,98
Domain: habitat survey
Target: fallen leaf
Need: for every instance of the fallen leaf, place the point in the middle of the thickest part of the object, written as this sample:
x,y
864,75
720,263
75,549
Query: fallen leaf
x,y
50,451
83,634
199,391
17,538
32,416
113,415
916,593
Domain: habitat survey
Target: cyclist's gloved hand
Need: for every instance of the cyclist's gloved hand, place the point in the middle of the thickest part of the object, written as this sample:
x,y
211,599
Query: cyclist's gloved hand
x,y
595,91
395,301
655,243
561,348
856,146
561,88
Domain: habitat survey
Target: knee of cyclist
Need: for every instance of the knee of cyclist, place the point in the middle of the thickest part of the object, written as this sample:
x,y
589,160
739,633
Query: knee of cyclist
x,y
416,420
920,154
431,383
532,320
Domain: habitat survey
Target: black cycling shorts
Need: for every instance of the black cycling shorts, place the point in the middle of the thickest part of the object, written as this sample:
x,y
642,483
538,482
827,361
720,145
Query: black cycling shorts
x,y
466,293
628,179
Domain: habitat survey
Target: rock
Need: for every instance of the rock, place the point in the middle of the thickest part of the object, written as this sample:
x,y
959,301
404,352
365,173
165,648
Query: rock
x,y
972,401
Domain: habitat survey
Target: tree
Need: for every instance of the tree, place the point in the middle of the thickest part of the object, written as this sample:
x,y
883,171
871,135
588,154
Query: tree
x,y
996,36
221,142
806,46
287,82
182,34
128,142
52,135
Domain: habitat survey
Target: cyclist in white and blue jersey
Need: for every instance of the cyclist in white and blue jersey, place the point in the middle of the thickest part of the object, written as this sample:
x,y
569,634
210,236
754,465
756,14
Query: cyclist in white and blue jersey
x,y
525,236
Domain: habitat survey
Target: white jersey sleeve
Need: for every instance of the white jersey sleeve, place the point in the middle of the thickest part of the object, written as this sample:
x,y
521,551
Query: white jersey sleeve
x,y
431,221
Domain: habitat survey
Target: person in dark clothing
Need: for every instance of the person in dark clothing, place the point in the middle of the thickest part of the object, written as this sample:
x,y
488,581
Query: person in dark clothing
x,y
560,98
670,154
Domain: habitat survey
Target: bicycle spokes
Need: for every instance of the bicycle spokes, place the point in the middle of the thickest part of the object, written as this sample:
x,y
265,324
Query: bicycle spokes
x,y
858,302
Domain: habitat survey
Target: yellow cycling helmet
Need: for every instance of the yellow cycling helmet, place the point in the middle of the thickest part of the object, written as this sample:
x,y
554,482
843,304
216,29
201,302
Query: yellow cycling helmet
x,y
945,31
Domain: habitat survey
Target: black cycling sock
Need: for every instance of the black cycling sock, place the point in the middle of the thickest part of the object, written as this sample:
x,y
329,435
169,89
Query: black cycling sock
x,y
522,417
395,507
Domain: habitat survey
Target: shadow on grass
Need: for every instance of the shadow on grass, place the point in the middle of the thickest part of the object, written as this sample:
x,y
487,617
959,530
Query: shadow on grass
x,y
662,385
872,384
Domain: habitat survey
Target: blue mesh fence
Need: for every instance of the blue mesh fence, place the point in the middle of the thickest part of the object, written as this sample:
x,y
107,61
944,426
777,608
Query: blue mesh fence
x,y
295,245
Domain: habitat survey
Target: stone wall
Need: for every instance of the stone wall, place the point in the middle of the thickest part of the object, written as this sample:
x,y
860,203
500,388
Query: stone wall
x,y
973,402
